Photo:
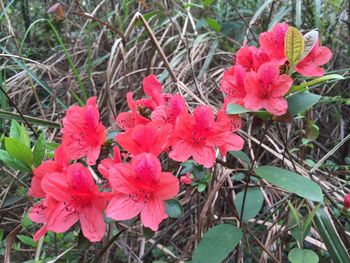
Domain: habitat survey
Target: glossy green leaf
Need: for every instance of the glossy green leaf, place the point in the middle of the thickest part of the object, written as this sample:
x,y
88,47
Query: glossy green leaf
x,y
294,45
213,24
291,182
298,255
305,85
39,150
173,208
253,203
19,150
217,243
236,109
26,240
302,101
241,156
13,163
330,237
24,136
15,130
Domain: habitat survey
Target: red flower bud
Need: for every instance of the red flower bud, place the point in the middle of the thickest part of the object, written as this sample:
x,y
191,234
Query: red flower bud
x,y
346,202
186,179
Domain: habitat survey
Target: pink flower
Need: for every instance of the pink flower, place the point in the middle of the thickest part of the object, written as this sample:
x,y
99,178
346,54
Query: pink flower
x,y
83,133
59,164
40,213
272,43
311,64
144,138
346,202
142,107
266,88
232,84
107,163
251,58
196,135
78,199
142,188
186,179
167,114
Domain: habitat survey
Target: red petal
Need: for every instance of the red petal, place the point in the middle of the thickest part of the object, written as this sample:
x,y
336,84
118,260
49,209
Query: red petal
x,y
61,219
168,186
92,223
153,213
122,207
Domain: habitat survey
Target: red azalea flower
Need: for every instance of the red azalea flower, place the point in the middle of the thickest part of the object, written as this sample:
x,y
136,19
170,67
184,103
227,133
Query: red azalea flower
x,y
272,43
78,200
311,65
59,164
144,138
266,88
167,114
83,133
142,188
251,58
107,163
346,202
232,84
152,88
196,135
40,213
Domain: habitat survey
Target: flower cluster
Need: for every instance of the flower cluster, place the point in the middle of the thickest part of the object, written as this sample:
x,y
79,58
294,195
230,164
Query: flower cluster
x,y
159,124
259,80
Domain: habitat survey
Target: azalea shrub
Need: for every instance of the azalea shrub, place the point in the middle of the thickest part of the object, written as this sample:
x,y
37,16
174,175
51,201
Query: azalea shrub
x,y
93,176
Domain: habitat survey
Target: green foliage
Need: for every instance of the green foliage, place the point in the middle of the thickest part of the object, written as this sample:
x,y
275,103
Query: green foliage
x,y
241,156
236,109
297,255
217,243
291,182
253,203
173,208
301,101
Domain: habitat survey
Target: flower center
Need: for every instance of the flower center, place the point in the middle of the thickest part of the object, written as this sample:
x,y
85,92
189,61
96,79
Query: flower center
x,y
141,196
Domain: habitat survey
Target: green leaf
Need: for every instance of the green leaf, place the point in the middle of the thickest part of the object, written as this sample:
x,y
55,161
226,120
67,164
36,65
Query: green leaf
x,y
294,45
15,130
24,137
300,102
1,234
253,203
213,24
207,3
19,150
39,150
173,208
241,156
335,246
308,221
305,85
314,131
298,255
13,163
291,182
310,40
295,221
236,109
83,242
201,187
148,233
26,240
216,244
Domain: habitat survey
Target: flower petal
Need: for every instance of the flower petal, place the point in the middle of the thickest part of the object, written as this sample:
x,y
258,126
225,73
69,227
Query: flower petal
x,y
153,213
168,186
92,223
61,219
276,106
122,207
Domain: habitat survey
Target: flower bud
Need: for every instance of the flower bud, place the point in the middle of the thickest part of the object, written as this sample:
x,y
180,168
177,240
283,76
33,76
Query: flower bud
x,y
346,202
186,179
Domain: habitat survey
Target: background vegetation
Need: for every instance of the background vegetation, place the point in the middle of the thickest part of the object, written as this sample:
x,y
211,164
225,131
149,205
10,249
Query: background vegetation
x,y
49,60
